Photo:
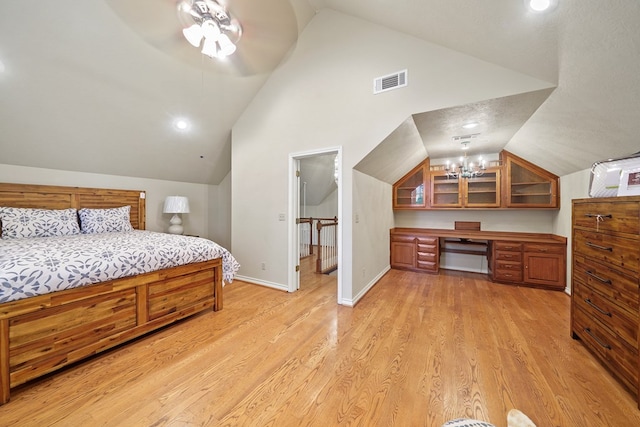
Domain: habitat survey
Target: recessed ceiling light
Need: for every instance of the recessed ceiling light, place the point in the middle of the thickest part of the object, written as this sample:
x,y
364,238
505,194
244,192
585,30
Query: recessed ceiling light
x,y
181,124
540,5
470,125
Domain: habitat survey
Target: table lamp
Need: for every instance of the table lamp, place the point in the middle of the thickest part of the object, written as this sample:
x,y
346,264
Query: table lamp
x,y
176,205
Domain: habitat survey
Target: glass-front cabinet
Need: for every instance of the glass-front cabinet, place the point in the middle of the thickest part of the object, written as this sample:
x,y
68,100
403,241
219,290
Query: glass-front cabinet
x,y
477,192
410,191
527,185
511,182
483,191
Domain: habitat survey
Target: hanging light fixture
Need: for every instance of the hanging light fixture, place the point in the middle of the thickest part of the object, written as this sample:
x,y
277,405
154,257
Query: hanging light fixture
x,y
209,24
465,169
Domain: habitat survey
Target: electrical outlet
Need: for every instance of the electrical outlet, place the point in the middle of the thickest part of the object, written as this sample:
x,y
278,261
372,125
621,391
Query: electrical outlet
x,y
281,217
357,218
263,265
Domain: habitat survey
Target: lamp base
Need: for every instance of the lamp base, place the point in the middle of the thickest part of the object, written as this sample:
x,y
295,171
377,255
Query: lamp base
x,y
176,225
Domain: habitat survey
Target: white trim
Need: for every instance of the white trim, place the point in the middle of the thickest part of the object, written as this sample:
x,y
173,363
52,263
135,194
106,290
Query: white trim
x,y
366,289
254,281
293,198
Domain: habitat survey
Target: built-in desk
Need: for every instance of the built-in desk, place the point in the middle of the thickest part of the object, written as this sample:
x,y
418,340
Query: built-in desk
x,y
532,259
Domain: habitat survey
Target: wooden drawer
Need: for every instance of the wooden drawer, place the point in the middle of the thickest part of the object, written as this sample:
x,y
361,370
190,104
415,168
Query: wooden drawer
x,y
425,256
620,217
403,238
620,321
429,241
619,251
544,248
427,249
508,275
508,265
508,256
613,352
508,246
427,265
612,284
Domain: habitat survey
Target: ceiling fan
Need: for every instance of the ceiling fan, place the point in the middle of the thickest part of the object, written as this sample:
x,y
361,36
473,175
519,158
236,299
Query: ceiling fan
x,y
244,37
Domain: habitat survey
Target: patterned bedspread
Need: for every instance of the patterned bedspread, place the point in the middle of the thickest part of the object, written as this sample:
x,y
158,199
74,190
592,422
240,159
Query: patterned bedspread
x,y
36,266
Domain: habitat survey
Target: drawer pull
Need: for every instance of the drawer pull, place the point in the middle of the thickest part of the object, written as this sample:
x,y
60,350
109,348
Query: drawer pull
x,y
598,216
595,276
604,248
607,346
588,301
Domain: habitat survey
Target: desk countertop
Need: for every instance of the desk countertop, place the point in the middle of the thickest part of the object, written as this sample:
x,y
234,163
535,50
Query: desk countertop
x,y
483,235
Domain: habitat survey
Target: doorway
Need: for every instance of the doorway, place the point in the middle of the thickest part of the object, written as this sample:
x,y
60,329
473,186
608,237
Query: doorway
x,y
315,192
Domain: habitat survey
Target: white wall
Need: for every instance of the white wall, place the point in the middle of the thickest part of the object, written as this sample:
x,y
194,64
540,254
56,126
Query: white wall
x,y
497,220
220,212
573,186
372,219
195,222
321,98
328,208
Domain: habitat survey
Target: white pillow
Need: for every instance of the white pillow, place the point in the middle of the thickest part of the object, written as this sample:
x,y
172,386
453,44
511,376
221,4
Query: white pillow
x,y
18,223
105,220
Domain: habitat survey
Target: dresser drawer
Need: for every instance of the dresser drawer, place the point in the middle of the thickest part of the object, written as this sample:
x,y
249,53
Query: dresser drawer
x,y
544,248
620,217
620,321
508,246
612,284
508,256
618,251
613,352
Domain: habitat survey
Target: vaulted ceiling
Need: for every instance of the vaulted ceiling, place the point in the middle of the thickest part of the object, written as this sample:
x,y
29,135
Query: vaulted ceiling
x,y
82,90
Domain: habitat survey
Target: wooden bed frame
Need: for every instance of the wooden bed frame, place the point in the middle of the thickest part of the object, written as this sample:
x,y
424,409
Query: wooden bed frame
x,y
41,334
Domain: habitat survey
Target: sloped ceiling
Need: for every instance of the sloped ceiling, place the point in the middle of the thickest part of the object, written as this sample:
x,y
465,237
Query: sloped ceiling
x,y
80,90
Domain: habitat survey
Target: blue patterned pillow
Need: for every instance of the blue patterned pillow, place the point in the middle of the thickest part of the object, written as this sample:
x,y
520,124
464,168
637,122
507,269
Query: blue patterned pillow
x,y
18,223
105,220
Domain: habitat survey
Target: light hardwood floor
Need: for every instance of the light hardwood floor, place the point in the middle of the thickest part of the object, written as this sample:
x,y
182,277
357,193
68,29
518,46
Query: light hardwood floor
x,y
417,350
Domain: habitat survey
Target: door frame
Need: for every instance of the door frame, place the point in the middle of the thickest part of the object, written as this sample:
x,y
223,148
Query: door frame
x,y
293,279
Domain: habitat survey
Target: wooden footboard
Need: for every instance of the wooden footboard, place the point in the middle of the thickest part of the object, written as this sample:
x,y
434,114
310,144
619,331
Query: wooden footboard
x,y
41,334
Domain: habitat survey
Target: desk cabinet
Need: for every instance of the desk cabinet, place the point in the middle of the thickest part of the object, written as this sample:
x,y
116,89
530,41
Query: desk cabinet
x,y
604,298
531,259
415,252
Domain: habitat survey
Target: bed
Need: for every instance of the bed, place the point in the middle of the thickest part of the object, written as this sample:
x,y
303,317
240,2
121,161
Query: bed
x,y
40,334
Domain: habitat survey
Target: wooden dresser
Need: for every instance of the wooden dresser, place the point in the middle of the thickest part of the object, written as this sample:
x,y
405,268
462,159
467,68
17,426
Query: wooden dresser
x,y
605,284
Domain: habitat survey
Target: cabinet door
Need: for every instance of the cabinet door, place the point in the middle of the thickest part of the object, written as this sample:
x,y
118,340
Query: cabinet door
x,y
544,269
483,191
445,191
403,254
409,191
527,185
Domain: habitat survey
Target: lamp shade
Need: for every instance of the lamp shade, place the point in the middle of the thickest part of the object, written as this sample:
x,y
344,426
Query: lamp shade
x,y
176,204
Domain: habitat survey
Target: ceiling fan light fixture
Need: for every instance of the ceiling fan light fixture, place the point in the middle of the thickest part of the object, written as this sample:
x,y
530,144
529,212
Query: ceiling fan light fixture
x,y
226,46
209,20
210,29
193,34
210,48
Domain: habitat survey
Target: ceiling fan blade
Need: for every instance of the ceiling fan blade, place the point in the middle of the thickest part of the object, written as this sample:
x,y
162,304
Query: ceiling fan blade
x,y
269,31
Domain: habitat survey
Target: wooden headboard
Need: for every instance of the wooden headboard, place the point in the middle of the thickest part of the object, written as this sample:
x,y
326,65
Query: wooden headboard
x,y
56,197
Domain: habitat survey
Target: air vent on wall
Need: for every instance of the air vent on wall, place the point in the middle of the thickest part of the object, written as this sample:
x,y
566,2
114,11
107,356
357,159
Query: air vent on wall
x,y
392,81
